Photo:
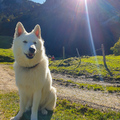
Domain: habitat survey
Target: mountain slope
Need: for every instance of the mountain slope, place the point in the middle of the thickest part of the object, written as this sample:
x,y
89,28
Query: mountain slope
x,y
64,23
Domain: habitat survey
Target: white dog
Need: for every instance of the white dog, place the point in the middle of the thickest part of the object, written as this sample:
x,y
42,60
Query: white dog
x,y
33,77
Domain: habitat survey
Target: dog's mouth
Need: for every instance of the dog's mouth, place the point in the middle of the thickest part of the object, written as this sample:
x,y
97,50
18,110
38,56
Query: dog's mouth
x,y
30,55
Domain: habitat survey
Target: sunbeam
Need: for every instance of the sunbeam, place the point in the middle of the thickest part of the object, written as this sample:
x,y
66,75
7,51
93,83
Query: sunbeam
x,y
91,38
89,27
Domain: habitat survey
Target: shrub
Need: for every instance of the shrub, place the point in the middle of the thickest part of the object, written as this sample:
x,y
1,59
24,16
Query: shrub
x,y
116,48
6,55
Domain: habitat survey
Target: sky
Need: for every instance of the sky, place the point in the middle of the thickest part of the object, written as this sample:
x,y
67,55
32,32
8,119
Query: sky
x,y
39,1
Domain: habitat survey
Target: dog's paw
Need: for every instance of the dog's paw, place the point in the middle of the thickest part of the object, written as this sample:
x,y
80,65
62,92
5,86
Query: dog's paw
x,y
17,117
44,112
14,118
33,117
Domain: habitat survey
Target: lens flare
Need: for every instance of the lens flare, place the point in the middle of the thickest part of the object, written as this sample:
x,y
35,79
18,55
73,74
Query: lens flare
x,y
91,38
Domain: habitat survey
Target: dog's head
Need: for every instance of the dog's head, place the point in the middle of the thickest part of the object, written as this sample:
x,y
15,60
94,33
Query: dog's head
x,y
27,47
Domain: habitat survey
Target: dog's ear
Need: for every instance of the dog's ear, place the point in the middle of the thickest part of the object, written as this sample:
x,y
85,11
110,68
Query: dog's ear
x,y
19,30
37,31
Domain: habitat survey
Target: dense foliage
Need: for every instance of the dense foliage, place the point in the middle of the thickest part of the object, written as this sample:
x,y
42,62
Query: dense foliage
x,y
116,48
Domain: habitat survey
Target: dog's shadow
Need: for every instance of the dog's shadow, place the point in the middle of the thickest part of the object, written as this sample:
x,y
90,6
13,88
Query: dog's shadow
x,y
27,114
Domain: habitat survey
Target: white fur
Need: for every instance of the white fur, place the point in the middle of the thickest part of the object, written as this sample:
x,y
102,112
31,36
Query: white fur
x,y
34,84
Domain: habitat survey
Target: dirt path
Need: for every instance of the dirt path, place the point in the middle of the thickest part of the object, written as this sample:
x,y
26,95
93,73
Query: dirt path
x,y
94,99
83,79
7,78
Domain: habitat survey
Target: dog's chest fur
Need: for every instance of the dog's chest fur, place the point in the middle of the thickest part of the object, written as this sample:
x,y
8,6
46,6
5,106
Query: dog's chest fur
x,y
30,78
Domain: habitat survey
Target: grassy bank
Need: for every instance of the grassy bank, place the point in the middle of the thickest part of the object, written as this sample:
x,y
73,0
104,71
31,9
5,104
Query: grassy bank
x,y
90,67
65,110
6,56
95,87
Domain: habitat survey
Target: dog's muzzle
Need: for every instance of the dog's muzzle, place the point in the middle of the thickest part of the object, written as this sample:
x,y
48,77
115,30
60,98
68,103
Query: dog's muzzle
x,y
31,53
32,50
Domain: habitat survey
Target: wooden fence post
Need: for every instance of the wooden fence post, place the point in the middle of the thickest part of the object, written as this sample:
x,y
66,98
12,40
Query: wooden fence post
x,y
103,53
78,57
104,60
78,53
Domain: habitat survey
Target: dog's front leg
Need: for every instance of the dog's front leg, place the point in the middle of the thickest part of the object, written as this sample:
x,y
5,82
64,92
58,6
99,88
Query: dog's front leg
x,y
23,101
35,106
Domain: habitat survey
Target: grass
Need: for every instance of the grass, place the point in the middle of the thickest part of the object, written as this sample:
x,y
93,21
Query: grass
x,y
8,105
95,87
89,67
112,89
6,56
65,110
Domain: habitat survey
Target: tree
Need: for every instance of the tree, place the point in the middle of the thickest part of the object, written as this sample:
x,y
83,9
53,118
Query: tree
x,y
8,2
116,48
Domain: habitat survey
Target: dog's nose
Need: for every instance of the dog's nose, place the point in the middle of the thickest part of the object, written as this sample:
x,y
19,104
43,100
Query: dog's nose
x,y
32,50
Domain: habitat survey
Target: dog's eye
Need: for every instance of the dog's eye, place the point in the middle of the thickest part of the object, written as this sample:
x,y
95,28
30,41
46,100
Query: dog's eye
x,y
24,41
35,43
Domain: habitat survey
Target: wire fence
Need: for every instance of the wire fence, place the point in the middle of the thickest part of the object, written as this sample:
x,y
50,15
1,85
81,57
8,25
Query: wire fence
x,y
61,62
79,61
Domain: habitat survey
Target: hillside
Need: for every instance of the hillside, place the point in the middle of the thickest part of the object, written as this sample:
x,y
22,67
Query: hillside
x,y
86,99
64,23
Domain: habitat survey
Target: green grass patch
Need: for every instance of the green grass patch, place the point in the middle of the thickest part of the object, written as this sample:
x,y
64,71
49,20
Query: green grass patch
x,y
112,89
65,110
95,87
9,105
6,56
90,67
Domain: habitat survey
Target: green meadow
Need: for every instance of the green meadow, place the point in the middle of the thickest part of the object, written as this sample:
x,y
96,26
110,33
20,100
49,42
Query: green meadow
x,y
65,110
89,66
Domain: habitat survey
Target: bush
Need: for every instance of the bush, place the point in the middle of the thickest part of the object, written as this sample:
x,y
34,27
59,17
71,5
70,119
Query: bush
x,y
116,48
6,55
